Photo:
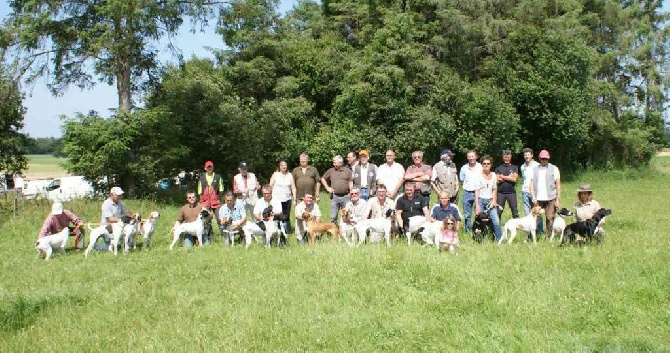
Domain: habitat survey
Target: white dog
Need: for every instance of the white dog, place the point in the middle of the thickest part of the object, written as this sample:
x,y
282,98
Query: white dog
x,y
272,229
527,223
558,227
47,243
196,228
147,230
415,223
129,231
375,226
115,236
431,233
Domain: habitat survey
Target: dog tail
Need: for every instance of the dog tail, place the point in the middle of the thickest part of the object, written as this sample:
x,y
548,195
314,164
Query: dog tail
x,y
89,226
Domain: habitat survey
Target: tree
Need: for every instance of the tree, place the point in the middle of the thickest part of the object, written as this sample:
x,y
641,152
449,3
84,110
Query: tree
x,y
13,143
69,39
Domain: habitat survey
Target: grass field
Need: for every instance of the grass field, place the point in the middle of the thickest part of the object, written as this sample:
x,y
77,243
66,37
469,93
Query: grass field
x,y
44,166
521,297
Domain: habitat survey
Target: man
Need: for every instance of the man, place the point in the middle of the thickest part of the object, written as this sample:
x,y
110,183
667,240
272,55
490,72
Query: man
x,y
341,182
365,175
189,213
507,175
545,187
469,176
444,208
59,219
232,216
306,205
527,174
306,178
391,174
352,160
445,176
356,208
409,205
209,189
419,174
378,206
262,205
245,187
112,211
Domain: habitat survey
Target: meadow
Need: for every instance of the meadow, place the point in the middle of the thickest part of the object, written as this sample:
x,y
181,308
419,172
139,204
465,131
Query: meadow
x,y
521,297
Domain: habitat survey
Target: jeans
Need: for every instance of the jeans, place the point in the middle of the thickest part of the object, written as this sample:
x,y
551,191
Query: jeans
x,y
189,241
365,193
493,216
285,213
468,205
527,200
337,203
104,247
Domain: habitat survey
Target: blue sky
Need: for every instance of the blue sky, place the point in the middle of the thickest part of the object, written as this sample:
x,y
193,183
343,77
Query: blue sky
x,y
43,109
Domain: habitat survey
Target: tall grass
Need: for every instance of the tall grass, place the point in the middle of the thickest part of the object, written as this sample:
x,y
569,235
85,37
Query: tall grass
x,y
521,297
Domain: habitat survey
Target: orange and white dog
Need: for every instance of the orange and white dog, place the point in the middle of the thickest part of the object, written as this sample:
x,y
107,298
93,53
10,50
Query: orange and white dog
x,y
527,223
316,228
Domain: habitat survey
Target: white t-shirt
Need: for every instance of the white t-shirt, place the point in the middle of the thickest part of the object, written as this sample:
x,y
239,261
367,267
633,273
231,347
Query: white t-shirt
x,y
390,175
377,210
111,209
261,205
281,190
300,208
541,192
357,210
486,187
527,174
469,176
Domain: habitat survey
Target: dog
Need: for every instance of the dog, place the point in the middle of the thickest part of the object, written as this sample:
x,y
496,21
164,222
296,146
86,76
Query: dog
x,y
416,225
558,227
527,223
431,233
316,228
130,230
272,231
585,231
196,228
147,229
481,227
47,243
375,226
102,230
347,230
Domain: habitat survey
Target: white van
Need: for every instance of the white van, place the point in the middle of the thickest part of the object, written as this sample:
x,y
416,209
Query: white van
x,y
61,189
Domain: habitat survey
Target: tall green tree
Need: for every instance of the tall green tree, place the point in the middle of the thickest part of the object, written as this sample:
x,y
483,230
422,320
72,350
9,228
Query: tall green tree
x,y
13,143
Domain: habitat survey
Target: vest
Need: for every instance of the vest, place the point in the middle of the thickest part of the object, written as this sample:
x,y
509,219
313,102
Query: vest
x,y
371,177
210,193
447,178
549,179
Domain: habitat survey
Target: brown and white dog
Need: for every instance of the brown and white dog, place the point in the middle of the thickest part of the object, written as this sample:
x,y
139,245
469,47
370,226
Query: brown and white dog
x,y
146,230
347,227
316,228
527,223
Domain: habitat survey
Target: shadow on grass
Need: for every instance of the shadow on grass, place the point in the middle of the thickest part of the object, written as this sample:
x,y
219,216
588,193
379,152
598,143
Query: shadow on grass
x,y
23,312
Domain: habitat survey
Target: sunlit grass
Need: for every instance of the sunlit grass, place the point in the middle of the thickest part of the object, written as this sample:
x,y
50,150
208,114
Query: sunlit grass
x,y
42,163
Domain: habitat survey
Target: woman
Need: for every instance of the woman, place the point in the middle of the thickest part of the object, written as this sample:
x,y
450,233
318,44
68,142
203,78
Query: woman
x,y
586,206
283,189
486,195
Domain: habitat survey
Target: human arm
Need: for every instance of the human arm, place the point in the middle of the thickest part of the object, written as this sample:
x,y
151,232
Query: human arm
x,y
325,184
294,193
476,201
44,231
558,193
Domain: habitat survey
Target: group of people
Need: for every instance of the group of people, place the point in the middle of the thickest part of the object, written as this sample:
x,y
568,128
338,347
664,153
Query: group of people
x,y
369,191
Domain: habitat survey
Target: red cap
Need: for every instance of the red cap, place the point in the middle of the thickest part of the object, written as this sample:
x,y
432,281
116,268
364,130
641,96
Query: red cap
x,y
209,164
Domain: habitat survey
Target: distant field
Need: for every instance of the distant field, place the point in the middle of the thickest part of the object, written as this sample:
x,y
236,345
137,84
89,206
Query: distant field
x,y
44,166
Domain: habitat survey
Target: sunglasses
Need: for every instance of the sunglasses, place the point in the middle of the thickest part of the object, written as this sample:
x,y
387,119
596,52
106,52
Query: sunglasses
x,y
416,157
355,193
191,198
450,223
486,163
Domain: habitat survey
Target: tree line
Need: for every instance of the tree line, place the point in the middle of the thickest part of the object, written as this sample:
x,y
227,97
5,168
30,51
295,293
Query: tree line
x,y
582,79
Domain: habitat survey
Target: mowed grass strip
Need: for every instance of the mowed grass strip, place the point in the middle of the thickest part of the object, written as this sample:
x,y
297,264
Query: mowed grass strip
x,y
518,297
44,163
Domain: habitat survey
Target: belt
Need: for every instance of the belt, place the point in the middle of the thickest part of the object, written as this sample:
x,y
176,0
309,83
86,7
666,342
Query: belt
x,y
469,191
340,194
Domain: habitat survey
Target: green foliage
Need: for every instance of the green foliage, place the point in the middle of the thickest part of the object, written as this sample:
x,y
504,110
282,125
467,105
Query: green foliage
x,y
46,145
13,143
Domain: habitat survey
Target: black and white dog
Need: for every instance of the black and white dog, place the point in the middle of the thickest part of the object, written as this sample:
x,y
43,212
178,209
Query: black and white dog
x,y
482,227
588,229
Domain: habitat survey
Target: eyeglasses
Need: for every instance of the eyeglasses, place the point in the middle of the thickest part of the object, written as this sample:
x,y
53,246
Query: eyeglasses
x,y
390,155
486,163
450,223
544,159
355,193
416,157
267,193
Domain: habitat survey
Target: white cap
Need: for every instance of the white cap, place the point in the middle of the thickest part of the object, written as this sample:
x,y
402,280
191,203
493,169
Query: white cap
x,y
116,191
56,208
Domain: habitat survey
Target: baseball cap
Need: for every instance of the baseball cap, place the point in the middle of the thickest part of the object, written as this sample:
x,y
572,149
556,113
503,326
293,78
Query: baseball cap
x,y
243,165
447,152
209,164
116,191
56,208
544,154
364,152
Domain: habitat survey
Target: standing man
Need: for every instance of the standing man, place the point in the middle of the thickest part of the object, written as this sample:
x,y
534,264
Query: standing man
x,y
365,175
419,174
245,187
210,188
507,175
445,177
545,187
112,210
391,174
469,175
409,205
233,215
352,160
527,174
306,179
189,213
341,182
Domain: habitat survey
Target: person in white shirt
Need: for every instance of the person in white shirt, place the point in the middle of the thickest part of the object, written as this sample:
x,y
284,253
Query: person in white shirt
x,y
391,174
283,189
545,188
379,205
306,205
245,187
527,174
469,176
486,195
262,205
